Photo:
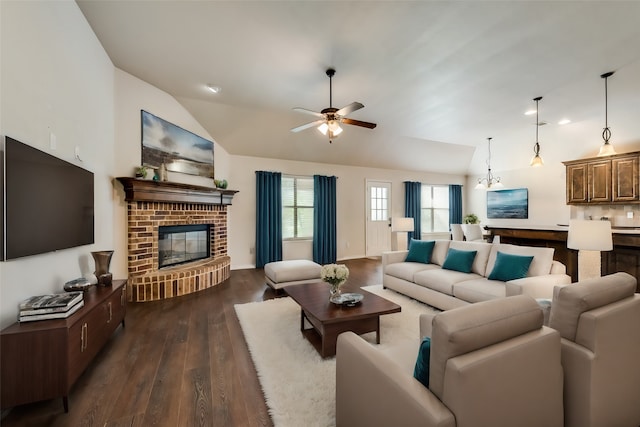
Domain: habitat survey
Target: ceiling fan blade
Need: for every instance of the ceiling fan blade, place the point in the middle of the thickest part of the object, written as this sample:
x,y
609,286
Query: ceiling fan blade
x,y
313,113
349,108
308,125
358,123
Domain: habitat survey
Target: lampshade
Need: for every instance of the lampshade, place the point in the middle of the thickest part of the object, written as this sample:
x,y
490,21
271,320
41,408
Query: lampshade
x,y
401,224
331,128
536,161
606,149
588,235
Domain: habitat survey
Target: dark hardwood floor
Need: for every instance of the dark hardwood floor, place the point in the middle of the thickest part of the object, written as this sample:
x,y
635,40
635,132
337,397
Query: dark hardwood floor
x,y
179,362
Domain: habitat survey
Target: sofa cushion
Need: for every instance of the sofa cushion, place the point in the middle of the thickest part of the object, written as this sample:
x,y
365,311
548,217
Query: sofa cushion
x,y
510,267
420,251
421,371
442,280
458,260
479,289
570,301
407,270
483,249
440,250
540,265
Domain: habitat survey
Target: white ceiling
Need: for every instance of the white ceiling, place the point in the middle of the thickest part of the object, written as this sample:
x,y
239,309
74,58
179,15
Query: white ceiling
x,y
438,77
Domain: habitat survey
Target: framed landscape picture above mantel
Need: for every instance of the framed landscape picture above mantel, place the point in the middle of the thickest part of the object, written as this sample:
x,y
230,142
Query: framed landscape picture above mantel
x,y
513,203
180,150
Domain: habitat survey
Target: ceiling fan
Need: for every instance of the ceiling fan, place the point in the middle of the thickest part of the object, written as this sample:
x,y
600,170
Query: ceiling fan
x,y
330,118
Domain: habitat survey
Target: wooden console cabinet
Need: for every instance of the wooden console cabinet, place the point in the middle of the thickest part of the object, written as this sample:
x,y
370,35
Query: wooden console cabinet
x,y
43,359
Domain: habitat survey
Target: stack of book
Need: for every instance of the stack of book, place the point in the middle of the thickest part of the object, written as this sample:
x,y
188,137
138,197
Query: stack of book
x,y
52,306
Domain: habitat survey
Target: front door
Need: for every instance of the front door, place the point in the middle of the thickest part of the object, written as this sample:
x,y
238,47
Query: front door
x,y
378,217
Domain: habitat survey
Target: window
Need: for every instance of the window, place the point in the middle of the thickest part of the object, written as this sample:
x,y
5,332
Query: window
x,y
297,207
379,201
435,209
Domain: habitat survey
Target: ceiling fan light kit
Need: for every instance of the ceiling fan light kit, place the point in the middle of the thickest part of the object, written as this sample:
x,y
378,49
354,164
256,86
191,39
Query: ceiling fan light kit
x,y
329,119
537,161
606,149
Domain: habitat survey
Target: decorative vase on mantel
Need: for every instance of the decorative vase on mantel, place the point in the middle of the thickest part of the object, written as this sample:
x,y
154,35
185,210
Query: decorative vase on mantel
x,y
102,260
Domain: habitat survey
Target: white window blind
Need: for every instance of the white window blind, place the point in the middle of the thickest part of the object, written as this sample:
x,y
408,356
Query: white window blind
x,y
297,207
435,209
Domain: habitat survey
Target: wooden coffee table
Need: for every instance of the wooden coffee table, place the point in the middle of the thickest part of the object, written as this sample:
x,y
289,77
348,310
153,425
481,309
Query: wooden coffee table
x,y
330,320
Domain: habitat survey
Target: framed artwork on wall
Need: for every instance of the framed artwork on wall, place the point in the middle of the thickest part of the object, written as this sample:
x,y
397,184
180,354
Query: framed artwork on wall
x,y
513,203
180,150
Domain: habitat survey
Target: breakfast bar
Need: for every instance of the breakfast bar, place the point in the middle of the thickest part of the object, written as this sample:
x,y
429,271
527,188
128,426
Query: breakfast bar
x,y
625,255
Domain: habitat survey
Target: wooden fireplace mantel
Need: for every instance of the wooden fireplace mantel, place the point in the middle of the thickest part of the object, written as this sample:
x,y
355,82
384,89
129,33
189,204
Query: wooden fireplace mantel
x,y
162,191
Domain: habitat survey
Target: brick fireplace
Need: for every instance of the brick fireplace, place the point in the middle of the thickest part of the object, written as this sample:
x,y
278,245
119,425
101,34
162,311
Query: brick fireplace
x,y
151,205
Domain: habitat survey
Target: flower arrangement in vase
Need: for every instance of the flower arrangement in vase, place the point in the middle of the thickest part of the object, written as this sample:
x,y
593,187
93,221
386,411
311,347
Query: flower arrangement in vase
x,y
335,275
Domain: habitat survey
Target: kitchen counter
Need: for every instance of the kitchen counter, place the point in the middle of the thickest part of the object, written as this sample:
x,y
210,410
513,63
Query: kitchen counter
x,y
625,255
561,227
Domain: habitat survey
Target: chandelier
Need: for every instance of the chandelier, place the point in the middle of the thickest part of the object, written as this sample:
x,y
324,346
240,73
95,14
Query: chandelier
x,y
489,181
606,149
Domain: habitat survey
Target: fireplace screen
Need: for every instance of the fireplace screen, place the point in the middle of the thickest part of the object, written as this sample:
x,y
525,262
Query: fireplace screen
x,y
182,243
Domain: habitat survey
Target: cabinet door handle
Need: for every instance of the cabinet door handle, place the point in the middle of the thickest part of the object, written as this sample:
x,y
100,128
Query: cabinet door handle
x,y
123,296
110,312
84,338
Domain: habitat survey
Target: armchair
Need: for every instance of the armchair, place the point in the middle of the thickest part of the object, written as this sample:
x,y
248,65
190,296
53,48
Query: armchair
x,y
599,322
492,364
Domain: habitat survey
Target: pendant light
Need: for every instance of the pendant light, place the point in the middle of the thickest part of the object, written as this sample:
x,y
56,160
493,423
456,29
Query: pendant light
x,y
489,181
606,149
537,161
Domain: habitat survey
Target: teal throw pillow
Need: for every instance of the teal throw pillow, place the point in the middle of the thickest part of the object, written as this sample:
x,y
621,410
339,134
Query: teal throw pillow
x,y
421,371
420,251
510,267
459,260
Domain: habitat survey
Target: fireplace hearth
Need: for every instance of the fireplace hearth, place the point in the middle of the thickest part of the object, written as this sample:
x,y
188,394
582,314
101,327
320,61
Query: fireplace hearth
x,y
163,261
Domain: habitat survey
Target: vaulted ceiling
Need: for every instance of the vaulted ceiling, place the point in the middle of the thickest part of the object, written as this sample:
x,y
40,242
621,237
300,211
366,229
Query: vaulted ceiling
x,y
438,77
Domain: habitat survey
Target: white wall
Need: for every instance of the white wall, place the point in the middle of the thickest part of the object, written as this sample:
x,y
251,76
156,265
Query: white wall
x,y
131,96
56,78
351,202
546,196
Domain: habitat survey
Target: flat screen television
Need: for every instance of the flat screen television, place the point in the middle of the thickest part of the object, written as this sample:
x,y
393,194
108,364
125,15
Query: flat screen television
x,y
512,203
47,202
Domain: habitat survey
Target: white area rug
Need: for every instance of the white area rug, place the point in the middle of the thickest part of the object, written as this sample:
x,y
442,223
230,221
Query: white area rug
x,y
299,386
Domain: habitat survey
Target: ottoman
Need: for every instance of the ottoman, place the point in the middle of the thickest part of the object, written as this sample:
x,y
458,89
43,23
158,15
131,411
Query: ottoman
x,y
291,272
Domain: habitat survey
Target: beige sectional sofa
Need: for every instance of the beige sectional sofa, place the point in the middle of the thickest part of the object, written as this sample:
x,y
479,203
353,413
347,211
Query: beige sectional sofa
x,y
491,364
447,289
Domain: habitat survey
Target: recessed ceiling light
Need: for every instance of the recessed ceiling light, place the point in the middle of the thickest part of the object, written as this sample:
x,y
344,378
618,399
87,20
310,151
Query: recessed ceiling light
x,y
530,112
564,122
214,88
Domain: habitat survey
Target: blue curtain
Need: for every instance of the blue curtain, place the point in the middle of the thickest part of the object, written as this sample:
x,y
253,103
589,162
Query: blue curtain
x,y
455,204
268,217
324,219
412,205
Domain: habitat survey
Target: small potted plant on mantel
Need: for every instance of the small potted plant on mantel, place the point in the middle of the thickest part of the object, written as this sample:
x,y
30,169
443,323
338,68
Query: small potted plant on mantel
x,y
141,172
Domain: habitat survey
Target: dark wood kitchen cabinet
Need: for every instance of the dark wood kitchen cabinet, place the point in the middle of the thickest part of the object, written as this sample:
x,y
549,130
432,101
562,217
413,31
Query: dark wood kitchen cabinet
x,y
624,173
43,359
603,180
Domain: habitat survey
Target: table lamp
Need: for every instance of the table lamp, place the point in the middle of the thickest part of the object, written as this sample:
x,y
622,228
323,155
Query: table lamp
x,y
589,238
399,229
